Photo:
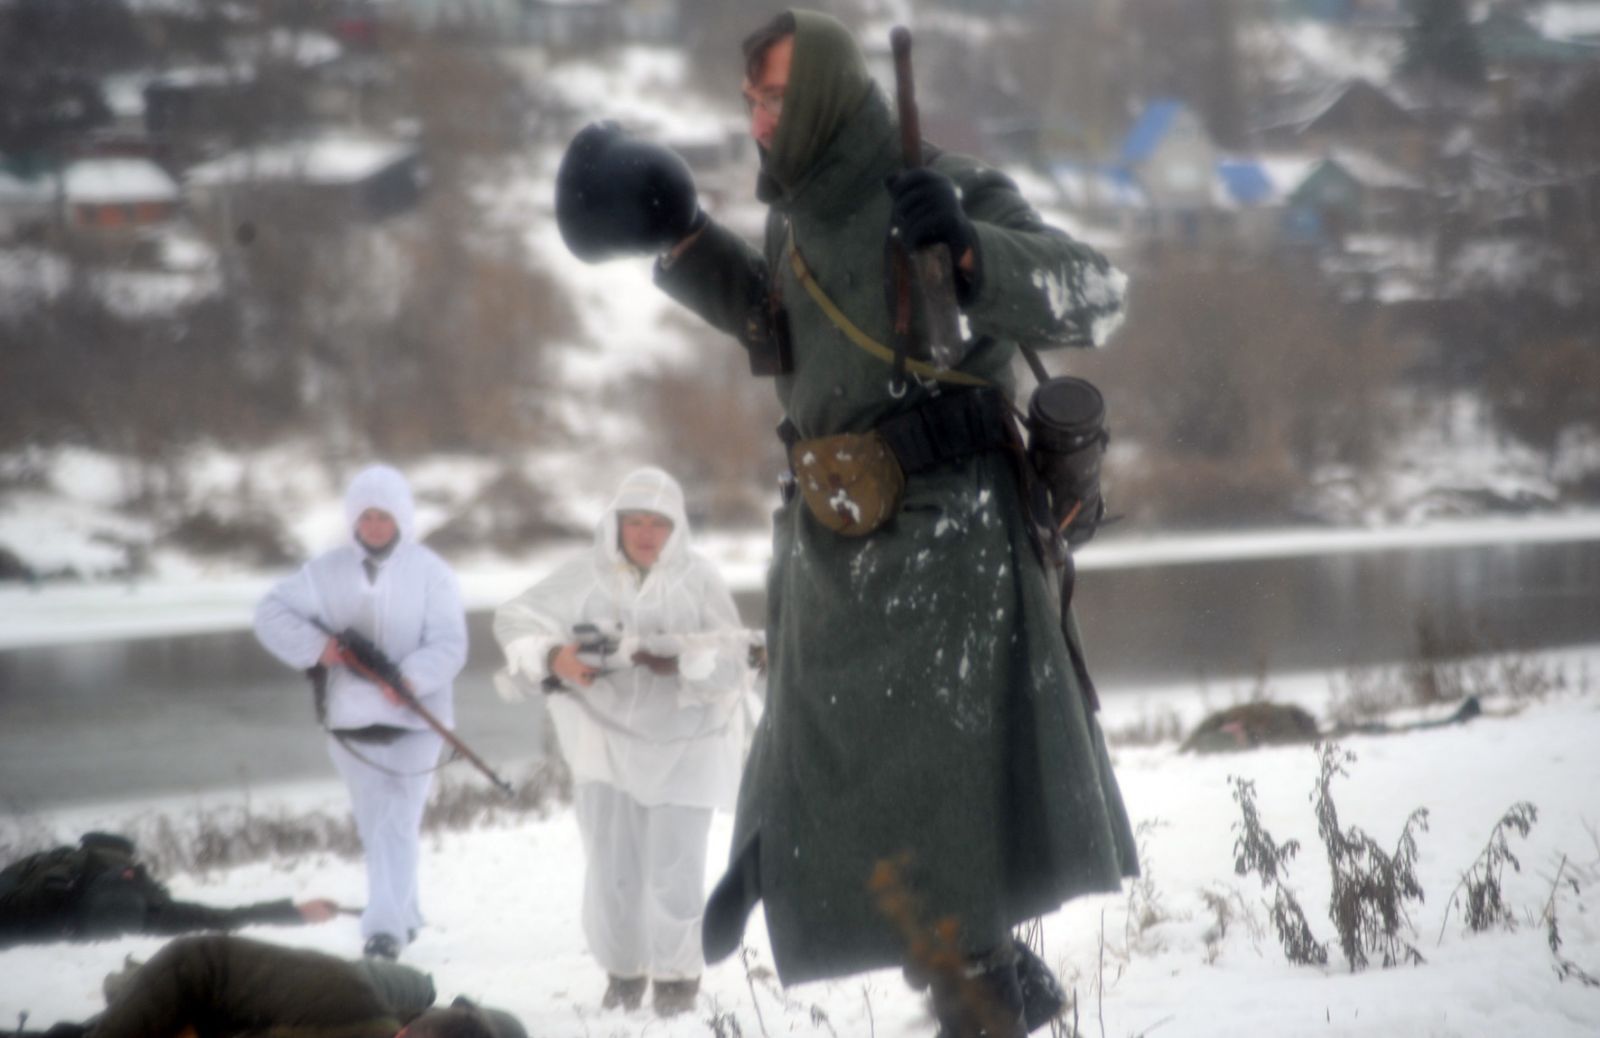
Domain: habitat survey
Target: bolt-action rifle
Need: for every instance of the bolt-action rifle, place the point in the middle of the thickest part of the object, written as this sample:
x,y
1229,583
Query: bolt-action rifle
x,y
364,657
932,266
608,649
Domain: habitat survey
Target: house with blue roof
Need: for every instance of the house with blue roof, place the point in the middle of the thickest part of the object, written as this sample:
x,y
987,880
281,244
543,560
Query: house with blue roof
x,y
1169,153
1170,184
1254,199
1170,157
1163,185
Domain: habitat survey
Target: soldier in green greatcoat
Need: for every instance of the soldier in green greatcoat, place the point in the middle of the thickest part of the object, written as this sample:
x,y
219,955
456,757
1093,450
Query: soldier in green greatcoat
x,y
928,772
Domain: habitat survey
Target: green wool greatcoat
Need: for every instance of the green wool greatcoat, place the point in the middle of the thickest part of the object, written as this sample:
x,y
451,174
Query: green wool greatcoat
x,y
223,986
922,707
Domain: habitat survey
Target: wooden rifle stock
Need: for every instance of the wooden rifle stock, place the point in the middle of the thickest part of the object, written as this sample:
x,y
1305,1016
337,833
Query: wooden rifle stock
x,y
385,672
933,272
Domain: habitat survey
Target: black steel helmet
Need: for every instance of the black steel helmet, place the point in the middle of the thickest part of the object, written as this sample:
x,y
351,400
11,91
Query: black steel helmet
x,y
617,195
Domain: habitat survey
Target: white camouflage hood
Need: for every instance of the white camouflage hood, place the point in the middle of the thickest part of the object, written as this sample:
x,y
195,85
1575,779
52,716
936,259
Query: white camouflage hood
x,y
645,490
384,488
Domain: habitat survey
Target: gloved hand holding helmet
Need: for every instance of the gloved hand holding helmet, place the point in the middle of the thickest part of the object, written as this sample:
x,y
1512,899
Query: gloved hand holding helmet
x,y
617,195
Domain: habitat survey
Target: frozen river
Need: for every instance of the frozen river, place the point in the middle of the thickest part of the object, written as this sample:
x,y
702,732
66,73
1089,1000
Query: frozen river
x,y
202,712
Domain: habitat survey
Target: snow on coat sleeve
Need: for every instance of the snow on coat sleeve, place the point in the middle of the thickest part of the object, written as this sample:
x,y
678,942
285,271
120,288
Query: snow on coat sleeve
x,y
282,621
435,662
1036,284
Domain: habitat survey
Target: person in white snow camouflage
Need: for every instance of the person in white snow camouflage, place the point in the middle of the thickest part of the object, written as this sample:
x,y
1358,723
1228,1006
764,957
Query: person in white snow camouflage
x,y
650,723
388,587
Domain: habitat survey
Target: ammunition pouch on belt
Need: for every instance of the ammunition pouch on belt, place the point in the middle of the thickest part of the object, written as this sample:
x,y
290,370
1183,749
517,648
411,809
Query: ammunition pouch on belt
x,y
853,482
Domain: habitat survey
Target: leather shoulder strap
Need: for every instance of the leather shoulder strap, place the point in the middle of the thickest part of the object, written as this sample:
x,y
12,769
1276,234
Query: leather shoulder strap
x,y
860,338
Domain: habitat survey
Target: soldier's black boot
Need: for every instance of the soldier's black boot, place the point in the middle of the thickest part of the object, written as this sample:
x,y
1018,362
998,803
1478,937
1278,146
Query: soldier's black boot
x,y
984,1002
1043,998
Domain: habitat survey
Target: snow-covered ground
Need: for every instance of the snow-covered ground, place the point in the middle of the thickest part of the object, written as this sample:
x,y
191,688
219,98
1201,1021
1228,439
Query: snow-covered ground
x,y
503,900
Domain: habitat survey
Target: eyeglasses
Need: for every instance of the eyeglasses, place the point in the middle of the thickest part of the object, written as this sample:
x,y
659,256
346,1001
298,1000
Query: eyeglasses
x,y
769,104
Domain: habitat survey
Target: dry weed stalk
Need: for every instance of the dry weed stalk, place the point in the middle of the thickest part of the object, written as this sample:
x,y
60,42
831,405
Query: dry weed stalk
x,y
1226,906
1255,851
1485,904
1100,978
213,839
1565,968
754,971
724,1025
1145,909
1370,887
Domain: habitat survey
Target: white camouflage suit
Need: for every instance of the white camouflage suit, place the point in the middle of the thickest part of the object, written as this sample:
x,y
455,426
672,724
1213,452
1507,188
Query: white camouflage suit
x,y
411,608
652,756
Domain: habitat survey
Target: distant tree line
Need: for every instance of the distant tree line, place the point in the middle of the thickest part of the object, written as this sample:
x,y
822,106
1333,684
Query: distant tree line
x,y
422,332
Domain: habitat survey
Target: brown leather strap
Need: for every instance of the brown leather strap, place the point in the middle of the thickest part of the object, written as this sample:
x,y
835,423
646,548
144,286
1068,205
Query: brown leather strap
x,y
860,338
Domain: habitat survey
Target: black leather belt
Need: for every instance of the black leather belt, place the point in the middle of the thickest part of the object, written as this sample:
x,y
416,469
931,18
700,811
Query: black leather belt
x,y
377,734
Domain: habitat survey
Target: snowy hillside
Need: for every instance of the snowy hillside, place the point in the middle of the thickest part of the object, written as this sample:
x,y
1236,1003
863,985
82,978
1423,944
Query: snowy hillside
x,y
622,381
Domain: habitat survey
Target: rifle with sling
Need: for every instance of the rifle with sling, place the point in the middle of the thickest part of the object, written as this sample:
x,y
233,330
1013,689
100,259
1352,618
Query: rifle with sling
x,y
365,658
932,281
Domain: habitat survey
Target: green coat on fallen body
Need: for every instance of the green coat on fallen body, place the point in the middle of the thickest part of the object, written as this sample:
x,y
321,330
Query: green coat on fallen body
x,y
922,705
222,986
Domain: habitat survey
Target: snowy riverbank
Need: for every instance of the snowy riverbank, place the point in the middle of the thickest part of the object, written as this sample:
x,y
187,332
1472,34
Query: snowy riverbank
x,y
503,901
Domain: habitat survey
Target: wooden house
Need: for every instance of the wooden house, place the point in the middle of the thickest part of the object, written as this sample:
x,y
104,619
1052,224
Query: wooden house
x,y
352,176
1356,114
113,196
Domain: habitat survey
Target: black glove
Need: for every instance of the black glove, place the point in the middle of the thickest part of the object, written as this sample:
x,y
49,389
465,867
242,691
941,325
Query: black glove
x,y
927,211
617,195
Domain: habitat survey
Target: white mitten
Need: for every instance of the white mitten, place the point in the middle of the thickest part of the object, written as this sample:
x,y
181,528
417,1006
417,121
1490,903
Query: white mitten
x,y
529,657
667,645
511,688
627,645
697,664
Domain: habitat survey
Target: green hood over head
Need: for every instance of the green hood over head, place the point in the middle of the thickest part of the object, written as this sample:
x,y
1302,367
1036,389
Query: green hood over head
x,y
828,80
